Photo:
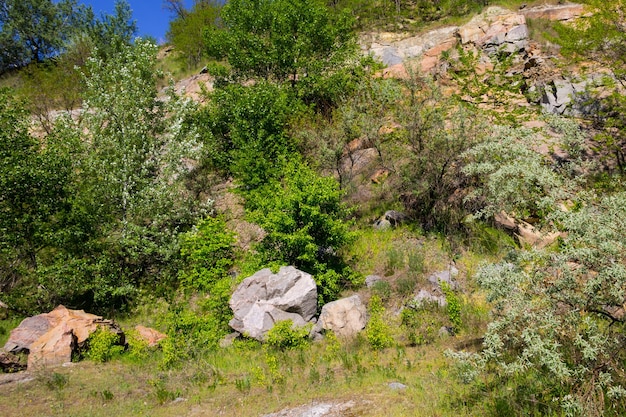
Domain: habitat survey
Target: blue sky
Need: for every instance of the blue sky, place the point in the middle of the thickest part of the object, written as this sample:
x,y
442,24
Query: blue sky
x,y
151,18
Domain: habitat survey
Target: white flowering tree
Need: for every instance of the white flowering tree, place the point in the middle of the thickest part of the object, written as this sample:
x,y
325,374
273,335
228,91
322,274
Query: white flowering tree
x,y
137,150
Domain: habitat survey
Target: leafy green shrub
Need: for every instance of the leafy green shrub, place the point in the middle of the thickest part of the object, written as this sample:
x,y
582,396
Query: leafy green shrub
x,y
103,345
304,220
283,336
511,176
137,348
208,252
377,330
421,324
192,332
246,131
453,307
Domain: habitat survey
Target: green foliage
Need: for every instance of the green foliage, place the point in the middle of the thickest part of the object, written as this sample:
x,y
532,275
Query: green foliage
x,y
453,307
186,31
161,392
247,131
377,330
511,176
395,260
103,345
421,322
305,226
34,193
132,200
437,135
208,254
54,381
281,39
382,289
284,335
193,331
137,349
32,30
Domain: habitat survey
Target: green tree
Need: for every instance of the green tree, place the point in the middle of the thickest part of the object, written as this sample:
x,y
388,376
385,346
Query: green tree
x,y
136,153
34,191
247,131
282,39
437,132
33,30
186,31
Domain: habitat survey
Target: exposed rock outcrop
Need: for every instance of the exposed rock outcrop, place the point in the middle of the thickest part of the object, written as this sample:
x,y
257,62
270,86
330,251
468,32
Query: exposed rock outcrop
x,y
561,12
266,298
496,30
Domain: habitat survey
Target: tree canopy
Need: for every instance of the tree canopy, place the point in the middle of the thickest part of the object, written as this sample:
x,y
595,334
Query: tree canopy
x,y
281,39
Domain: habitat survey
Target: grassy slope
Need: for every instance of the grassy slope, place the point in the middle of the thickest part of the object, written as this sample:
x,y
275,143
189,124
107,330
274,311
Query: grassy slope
x,y
246,382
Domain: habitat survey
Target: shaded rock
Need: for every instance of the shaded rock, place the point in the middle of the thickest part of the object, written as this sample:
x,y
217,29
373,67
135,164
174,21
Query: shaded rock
x,y
29,330
527,234
391,218
345,317
382,224
505,221
150,336
10,363
395,217
397,386
265,298
370,280
428,297
445,331
446,276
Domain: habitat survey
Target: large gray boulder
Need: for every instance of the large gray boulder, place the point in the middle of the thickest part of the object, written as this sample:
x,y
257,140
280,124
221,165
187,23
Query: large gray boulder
x,y
266,298
345,317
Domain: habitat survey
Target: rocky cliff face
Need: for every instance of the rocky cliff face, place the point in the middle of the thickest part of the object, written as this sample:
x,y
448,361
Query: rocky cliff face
x,y
494,33
496,30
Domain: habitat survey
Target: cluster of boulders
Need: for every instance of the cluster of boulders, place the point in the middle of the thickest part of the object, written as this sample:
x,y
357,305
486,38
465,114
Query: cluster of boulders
x,y
50,339
266,298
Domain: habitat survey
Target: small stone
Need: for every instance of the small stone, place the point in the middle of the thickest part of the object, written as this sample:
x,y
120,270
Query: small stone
x,y
397,386
370,280
445,331
229,339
